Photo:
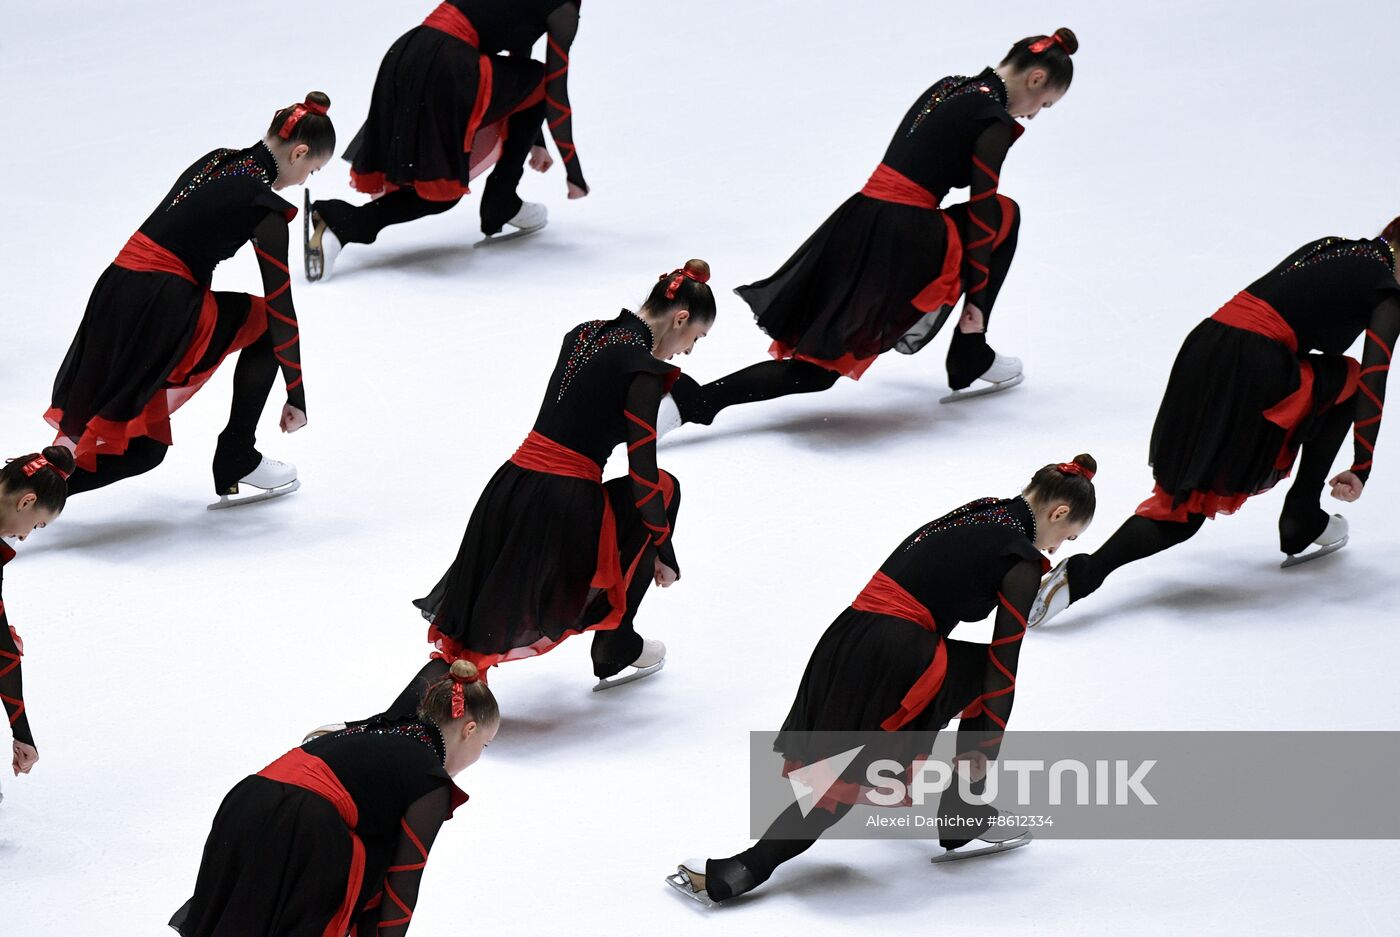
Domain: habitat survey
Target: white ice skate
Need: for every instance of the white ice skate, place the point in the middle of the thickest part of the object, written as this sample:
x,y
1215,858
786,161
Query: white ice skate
x,y
1332,539
1004,374
668,416
1052,598
1007,838
532,217
652,659
684,881
275,478
320,245
326,729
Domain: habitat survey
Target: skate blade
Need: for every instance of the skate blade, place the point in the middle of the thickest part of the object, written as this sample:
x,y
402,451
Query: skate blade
x,y
990,389
607,683
681,883
956,855
228,501
312,255
509,235
1308,556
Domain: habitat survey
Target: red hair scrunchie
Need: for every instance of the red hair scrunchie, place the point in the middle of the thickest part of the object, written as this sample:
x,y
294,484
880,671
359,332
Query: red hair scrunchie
x,y
459,699
1040,45
1074,468
35,464
679,274
298,112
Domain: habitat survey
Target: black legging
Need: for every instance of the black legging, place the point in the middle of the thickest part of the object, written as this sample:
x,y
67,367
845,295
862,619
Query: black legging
x,y
969,355
361,224
1301,521
787,837
236,454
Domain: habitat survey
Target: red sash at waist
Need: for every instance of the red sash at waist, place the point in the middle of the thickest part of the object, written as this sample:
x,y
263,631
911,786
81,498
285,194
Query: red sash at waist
x,y
884,596
448,19
1254,315
311,773
890,185
146,256
541,454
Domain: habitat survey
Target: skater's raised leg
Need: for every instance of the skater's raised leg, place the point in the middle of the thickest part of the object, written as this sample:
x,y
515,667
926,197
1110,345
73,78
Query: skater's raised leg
x,y
142,454
361,224
766,380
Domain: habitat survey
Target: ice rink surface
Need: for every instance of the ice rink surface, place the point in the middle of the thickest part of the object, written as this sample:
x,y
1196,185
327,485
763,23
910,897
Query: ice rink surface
x,y
170,651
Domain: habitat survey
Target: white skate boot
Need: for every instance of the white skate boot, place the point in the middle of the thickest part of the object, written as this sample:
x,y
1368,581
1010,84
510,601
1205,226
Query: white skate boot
x,y
275,478
320,245
689,880
1052,598
531,218
668,416
1004,374
1332,539
652,659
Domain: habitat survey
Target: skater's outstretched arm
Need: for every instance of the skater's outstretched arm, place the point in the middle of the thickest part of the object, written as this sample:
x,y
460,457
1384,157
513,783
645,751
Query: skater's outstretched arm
x,y
417,831
984,209
270,244
990,712
643,399
12,694
562,28
1375,367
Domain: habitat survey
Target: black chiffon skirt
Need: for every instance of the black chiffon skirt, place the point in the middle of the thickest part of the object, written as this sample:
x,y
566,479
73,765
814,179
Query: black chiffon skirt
x,y
846,294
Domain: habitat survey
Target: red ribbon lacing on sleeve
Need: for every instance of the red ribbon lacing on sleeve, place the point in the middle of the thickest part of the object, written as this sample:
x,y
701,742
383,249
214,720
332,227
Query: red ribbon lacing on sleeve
x,y
299,111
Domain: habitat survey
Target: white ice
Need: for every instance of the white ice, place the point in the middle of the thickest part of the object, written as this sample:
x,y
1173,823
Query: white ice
x,y
171,651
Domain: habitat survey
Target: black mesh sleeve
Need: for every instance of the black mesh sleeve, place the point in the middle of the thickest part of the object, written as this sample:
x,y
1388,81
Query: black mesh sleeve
x,y
270,244
417,831
983,208
643,399
1375,367
990,712
12,682
563,27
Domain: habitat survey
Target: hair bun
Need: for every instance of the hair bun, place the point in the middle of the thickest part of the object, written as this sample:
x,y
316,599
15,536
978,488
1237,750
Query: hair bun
x,y
697,270
1086,462
318,99
1067,40
464,671
61,458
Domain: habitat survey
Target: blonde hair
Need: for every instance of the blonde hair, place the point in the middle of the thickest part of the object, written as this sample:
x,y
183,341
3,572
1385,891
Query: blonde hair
x,y
479,704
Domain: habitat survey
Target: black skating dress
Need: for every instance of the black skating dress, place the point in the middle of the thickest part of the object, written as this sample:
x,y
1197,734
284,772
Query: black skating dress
x,y
329,839
1251,383
439,110
888,663
154,332
890,255
550,551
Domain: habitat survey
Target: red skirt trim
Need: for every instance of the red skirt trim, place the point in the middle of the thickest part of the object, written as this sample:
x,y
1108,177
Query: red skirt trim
x,y
608,576
111,437
310,773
